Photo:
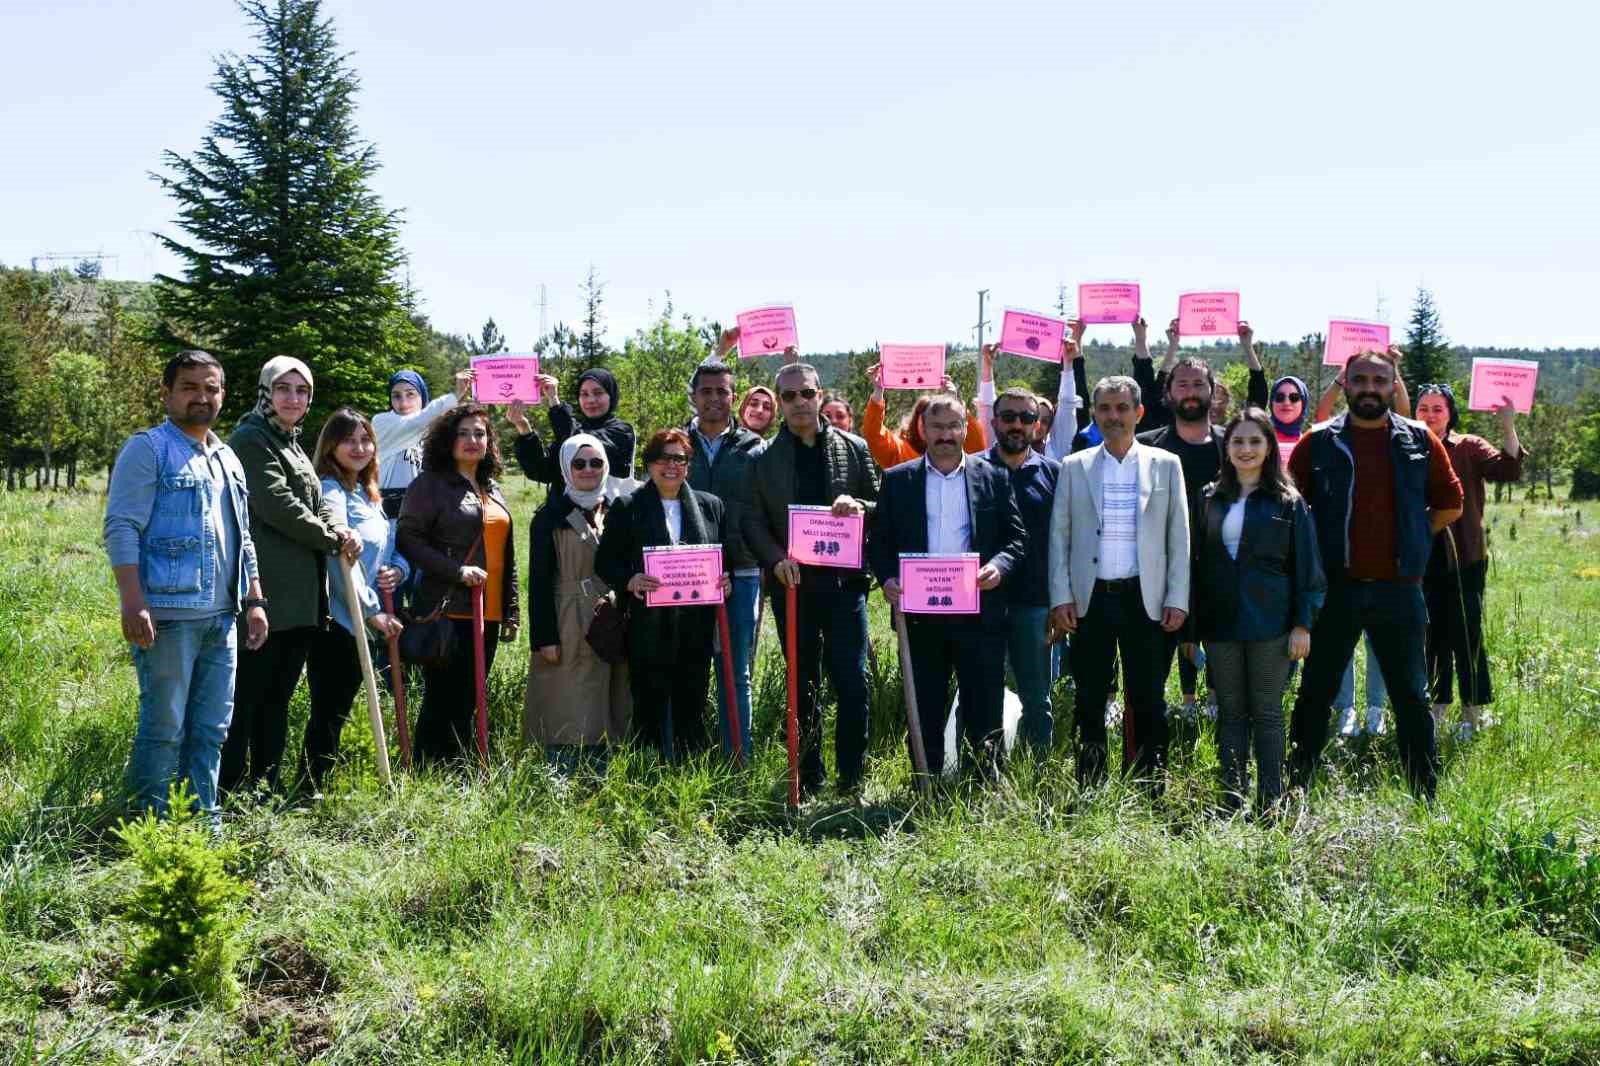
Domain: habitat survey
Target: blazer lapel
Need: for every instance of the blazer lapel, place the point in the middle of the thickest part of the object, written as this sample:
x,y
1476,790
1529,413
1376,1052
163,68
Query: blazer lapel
x,y
1143,455
918,541
576,520
971,478
1093,472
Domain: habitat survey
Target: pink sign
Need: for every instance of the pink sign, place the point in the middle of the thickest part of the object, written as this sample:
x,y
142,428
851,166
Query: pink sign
x,y
691,575
1032,335
767,331
1493,380
939,584
1347,337
503,378
1108,302
1208,314
818,538
911,366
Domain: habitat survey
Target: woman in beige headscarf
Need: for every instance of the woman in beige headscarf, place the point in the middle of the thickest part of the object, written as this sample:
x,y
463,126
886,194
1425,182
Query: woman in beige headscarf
x,y
577,704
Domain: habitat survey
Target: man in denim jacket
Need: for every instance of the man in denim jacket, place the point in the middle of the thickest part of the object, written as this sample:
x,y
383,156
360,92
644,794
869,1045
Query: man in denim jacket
x,y
177,530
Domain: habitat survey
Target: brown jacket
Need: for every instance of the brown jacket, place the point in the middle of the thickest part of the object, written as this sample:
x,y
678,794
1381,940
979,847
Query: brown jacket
x,y
441,521
1476,461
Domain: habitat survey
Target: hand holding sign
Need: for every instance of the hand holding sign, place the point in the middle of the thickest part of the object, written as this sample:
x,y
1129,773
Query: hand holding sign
x,y
500,379
1496,382
767,331
1107,302
1032,335
912,366
939,584
1352,336
1208,314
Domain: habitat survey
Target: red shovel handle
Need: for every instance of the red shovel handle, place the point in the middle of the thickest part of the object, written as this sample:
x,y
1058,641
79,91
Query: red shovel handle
x,y
735,735
478,675
397,675
792,643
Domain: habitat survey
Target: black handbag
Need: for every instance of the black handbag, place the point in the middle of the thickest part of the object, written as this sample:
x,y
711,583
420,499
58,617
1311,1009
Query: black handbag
x,y
608,632
430,640
392,499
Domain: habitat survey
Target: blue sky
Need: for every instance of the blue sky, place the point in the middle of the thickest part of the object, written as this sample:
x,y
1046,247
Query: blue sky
x,y
876,164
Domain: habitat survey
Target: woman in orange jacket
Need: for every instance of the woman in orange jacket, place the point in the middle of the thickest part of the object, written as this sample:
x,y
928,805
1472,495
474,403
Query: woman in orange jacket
x,y
889,448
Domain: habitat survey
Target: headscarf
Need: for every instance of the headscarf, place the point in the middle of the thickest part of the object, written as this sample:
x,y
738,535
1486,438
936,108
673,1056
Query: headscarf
x,y
414,379
1449,395
1286,429
606,380
276,368
590,499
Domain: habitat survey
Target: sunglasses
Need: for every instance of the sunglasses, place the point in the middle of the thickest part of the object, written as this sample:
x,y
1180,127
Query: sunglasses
x,y
1027,418
1286,397
673,459
588,464
790,395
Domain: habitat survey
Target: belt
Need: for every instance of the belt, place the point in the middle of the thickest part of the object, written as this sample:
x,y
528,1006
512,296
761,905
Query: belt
x,y
1121,584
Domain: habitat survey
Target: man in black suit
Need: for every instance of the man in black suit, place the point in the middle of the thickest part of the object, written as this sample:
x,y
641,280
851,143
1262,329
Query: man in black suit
x,y
946,502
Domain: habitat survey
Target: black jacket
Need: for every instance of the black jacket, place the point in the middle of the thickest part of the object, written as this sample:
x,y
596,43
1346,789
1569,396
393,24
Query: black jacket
x,y
658,635
1276,583
998,535
441,522
539,462
728,479
765,522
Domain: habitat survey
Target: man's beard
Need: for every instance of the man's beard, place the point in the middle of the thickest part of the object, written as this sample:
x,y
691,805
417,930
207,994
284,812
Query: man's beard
x,y
1015,442
196,416
1369,405
1192,410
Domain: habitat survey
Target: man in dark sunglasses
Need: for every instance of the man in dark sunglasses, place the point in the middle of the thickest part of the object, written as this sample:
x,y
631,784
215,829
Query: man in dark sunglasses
x,y
1027,591
810,462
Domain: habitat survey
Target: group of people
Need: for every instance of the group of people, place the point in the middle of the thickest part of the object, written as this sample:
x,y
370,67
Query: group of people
x,y
1147,525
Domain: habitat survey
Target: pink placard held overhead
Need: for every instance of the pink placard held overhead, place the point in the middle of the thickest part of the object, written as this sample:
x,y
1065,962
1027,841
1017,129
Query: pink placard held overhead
x,y
1493,380
1352,336
691,575
767,331
1108,302
939,584
819,538
911,366
1208,314
503,378
1032,335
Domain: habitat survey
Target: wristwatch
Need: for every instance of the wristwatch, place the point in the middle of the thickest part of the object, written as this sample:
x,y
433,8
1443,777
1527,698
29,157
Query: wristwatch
x,y
254,601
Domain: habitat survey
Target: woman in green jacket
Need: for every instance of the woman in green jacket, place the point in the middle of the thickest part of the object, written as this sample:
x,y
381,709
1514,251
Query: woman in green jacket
x,y
294,531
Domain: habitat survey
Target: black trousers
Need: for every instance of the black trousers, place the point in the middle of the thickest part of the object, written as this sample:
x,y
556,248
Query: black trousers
x,y
1395,619
1455,633
831,630
669,704
262,687
333,674
1116,621
446,729
976,655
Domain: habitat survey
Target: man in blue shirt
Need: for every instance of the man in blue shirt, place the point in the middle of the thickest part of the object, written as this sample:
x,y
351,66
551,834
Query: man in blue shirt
x,y
177,530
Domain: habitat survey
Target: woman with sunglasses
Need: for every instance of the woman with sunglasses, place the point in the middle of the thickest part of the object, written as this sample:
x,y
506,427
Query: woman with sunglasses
x,y
576,704
669,648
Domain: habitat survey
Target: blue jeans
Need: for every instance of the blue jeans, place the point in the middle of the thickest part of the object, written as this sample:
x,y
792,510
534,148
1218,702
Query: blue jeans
x,y
185,705
1377,691
742,632
1031,669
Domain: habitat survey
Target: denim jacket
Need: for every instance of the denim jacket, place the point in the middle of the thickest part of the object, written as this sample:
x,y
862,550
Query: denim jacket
x,y
1333,493
162,524
354,510
1275,583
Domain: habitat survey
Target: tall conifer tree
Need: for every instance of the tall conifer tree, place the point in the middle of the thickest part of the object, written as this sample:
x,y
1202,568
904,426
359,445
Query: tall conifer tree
x,y
286,249
1428,355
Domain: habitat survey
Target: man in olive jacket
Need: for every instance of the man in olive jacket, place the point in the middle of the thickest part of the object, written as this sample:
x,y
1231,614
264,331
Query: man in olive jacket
x,y
811,463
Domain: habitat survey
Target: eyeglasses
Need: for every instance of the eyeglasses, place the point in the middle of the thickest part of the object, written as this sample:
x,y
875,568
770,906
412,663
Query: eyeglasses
x,y
1027,418
1286,397
588,464
790,395
673,459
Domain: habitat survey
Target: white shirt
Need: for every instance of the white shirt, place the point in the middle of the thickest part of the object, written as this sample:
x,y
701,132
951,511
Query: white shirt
x,y
1119,516
949,520
1233,528
674,510
400,441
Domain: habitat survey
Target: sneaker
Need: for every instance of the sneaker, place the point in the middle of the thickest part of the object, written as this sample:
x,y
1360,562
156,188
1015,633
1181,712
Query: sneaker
x,y
1349,724
1210,709
1113,714
1375,723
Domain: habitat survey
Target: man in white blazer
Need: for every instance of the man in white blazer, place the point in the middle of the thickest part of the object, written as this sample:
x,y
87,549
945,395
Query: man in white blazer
x,y
1119,579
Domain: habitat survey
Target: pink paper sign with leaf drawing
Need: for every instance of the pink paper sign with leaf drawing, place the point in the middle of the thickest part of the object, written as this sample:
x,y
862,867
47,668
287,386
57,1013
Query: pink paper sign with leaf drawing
x,y
1495,380
1108,302
691,575
939,584
1032,335
911,366
1208,314
818,537
767,331
1352,336
503,378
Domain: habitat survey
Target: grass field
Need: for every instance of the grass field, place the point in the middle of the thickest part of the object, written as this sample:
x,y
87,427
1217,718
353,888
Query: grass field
x,y
678,915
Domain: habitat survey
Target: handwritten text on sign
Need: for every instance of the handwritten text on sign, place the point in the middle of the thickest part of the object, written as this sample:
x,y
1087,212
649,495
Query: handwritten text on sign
x,y
1032,335
1208,314
939,584
1347,337
503,378
912,366
1493,380
819,538
690,575
1108,302
767,331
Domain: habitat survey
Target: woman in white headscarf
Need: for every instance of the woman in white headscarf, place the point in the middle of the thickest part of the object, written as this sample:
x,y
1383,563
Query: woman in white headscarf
x,y
577,704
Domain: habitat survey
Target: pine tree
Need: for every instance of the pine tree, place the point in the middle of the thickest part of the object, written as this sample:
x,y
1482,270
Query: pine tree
x,y
287,250
593,343
1428,355
489,340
